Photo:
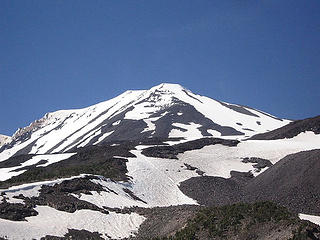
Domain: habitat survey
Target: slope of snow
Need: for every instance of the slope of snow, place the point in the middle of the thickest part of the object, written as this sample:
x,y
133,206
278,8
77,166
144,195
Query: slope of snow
x,y
191,131
103,137
210,108
53,222
31,189
310,218
6,173
67,126
218,160
116,197
156,180
224,116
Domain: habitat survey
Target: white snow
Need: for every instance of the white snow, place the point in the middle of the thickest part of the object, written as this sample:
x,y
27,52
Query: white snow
x,y
191,131
156,180
6,173
219,160
87,140
116,123
31,189
311,218
150,123
53,222
103,137
116,197
214,133
68,126
154,184
29,186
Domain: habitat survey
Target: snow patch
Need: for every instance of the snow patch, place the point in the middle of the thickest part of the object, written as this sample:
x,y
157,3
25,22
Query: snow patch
x,y
191,131
156,180
311,218
115,197
214,133
218,160
103,137
7,173
50,221
116,123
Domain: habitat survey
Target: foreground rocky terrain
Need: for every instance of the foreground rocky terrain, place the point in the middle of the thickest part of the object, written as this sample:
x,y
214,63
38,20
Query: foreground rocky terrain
x,y
260,220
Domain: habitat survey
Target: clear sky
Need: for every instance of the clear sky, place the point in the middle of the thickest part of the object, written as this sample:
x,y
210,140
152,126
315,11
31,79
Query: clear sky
x,y
57,54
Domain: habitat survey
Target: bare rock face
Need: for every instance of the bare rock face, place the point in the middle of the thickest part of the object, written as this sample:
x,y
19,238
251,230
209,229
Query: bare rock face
x,y
292,182
4,139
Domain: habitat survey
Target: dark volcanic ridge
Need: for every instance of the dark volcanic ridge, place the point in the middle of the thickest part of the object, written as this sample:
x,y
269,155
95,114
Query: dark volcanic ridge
x,y
291,130
292,182
76,234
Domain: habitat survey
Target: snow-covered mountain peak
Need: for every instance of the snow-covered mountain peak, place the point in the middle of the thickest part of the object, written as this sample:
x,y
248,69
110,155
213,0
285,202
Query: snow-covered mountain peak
x,y
164,111
169,87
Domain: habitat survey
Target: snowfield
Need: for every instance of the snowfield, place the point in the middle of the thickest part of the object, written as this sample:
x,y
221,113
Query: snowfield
x,y
218,160
6,173
116,197
53,222
156,180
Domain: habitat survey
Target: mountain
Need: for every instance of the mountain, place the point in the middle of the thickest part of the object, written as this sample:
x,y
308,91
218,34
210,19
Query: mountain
x,y
164,111
157,163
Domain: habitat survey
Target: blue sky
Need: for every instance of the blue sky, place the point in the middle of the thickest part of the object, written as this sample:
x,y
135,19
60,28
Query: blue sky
x,y
72,54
